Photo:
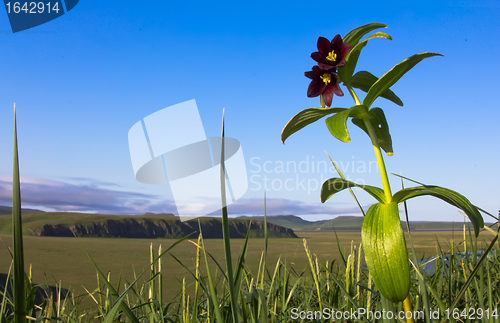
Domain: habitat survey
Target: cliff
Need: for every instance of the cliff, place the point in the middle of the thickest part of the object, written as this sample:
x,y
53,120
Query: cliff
x,y
161,227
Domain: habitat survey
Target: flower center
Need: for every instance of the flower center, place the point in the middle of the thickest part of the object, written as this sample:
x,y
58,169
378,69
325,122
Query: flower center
x,y
332,56
326,77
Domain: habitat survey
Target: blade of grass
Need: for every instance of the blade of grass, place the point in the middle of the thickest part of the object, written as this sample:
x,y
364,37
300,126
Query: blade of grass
x,y
314,271
241,262
225,229
160,284
110,317
130,315
472,274
97,303
128,312
421,278
18,290
213,296
339,247
264,266
437,298
490,294
4,295
194,317
350,189
346,293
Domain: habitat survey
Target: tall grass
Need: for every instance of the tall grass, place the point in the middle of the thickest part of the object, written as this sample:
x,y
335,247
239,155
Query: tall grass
x,y
17,239
458,280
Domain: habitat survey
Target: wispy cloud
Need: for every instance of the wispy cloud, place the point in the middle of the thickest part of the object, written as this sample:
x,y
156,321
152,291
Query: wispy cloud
x,y
281,206
92,182
91,197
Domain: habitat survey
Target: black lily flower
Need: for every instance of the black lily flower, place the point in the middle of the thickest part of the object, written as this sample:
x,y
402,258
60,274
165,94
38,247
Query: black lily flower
x,y
324,82
331,54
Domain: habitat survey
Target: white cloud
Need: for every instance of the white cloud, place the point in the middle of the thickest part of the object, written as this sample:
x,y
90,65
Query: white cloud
x,y
50,195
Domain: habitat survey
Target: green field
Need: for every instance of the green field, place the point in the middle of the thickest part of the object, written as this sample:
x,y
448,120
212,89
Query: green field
x,y
63,259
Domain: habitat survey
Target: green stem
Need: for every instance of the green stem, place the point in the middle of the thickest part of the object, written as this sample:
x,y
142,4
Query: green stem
x,y
354,96
380,159
376,148
385,180
408,308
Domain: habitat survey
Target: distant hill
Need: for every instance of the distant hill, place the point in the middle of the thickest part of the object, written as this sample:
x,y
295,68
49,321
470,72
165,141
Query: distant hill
x,y
287,221
8,210
150,226
297,223
165,225
351,223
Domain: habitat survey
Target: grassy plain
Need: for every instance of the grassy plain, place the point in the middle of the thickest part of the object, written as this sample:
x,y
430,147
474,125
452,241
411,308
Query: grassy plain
x,y
63,259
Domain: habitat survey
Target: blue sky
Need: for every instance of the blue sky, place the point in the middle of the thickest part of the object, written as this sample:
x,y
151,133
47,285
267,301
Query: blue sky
x,y
81,81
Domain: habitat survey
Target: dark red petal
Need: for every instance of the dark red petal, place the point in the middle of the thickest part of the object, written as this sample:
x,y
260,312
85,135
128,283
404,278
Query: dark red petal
x,y
341,63
326,66
317,56
316,70
346,48
337,90
336,41
328,95
323,45
309,74
316,87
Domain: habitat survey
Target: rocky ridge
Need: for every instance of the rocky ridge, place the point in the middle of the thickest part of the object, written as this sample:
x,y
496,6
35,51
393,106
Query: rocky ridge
x,y
161,228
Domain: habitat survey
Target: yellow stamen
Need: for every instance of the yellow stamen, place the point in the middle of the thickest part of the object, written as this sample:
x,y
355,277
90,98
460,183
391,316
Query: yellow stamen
x,y
332,56
326,77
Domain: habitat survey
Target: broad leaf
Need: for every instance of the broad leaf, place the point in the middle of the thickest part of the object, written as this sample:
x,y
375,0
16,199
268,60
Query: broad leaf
x,y
393,75
447,195
335,185
337,123
363,80
379,123
305,117
346,71
385,251
356,34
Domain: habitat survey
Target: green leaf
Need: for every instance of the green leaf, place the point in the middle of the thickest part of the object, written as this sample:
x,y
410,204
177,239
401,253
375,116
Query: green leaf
x,y
363,80
304,118
393,75
337,123
356,34
337,126
379,123
346,71
385,251
335,185
447,195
